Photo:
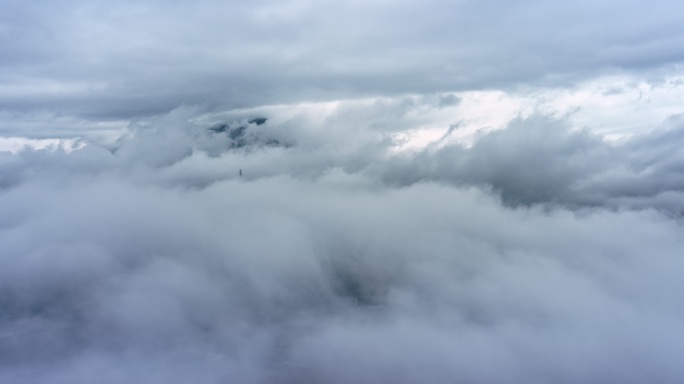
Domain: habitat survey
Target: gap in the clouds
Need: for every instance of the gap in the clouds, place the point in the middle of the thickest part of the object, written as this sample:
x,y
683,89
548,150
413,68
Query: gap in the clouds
x,y
17,144
614,107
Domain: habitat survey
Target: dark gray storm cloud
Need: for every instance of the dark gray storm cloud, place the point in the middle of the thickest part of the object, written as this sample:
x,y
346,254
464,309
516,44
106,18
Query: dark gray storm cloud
x,y
110,61
540,254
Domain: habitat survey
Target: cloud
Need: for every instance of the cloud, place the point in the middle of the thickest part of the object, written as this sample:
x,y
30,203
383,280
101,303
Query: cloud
x,y
341,192
542,160
538,254
103,61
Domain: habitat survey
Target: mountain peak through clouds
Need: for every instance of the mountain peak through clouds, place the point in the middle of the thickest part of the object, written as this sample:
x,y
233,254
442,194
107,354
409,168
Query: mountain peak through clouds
x,y
247,134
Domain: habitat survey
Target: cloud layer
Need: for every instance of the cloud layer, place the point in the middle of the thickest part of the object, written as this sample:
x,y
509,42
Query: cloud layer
x,y
105,61
341,192
538,254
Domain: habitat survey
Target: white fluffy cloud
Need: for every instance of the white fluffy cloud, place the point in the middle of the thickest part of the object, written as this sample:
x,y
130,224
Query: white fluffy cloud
x,y
154,261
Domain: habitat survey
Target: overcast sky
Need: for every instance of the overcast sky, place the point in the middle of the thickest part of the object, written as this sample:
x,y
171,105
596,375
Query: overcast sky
x,y
83,63
439,192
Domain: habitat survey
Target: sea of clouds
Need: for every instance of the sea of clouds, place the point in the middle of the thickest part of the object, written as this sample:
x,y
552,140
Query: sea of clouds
x,y
540,253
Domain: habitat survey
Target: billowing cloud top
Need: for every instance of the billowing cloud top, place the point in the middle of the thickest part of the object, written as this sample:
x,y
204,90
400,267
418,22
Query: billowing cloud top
x,y
273,251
